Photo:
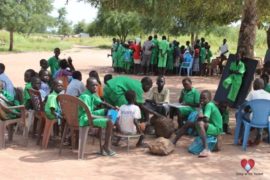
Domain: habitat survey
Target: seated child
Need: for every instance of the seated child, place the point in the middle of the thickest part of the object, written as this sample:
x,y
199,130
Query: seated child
x,y
7,100
94,74
7,84
128,117
90,98
52,109
36,84
76,87
209,122
26,97
45,80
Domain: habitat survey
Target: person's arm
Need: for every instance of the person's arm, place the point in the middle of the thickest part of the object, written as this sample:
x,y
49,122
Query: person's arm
x,y
181,97
146,109
72,68
136,123
109,105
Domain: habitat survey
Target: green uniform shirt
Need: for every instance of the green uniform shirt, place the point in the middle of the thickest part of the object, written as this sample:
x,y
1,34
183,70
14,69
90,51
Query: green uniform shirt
x,y
114,92
170,60
240,68
211,111
154,52
208,56
92,101
267,88
51,103
202,55
8,96
191,97
26,95
53,62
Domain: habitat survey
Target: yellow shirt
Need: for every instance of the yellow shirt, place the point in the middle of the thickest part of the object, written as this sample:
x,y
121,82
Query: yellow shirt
x,y
162,97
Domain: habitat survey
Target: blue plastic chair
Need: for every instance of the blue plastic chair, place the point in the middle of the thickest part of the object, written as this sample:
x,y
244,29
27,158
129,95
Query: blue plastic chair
x,y
260,113
187,64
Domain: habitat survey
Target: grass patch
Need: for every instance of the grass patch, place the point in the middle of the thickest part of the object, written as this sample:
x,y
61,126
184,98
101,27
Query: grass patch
x,y
45,42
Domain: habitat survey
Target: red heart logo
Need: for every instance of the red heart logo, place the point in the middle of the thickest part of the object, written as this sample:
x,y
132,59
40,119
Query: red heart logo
x,y
247,164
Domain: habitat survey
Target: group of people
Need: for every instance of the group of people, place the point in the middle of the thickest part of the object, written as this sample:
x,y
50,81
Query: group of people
x,y
124,95
162,57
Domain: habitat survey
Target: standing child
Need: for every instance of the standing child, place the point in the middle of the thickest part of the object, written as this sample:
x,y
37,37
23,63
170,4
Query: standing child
x,y
163,53
203,62
127,59
128,117
137,56
196,61
43,64
53,62
170,59
208,59
154,56
94,74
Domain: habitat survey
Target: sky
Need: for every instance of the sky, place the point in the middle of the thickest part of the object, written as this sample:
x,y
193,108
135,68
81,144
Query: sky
x,y
76,11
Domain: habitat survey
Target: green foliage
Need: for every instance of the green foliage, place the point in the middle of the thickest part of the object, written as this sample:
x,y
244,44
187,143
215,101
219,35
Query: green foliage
x,y
80,27
117,23
63,25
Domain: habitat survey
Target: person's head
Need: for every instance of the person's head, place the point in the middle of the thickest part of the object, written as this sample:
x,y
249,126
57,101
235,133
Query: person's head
x,y
58,85
205,97
2,68
77,75
92,84
150,38
187,43
265,78
258,84
163,37
239,56
63,64
107,77
114,40
43,64
266,67
187,84
94,74
146,84
29,73
155,36
208,47
130,97
202,40
224,41
57,52
36,82
160,82
44,75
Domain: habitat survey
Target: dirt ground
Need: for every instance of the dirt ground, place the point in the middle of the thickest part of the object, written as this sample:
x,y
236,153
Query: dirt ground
x,y
19,162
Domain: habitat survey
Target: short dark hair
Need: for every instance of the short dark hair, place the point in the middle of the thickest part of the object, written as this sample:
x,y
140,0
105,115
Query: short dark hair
x,y
150,38
146,80
187,79
207,93
41,72
107,77
32,72
76,75
42,60
63,64
130,96
2,67
265,78
95,75
163,37
34,78
155,36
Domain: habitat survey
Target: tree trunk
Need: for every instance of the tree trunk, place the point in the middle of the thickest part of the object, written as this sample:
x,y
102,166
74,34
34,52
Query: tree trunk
x,y
196,36
192,40
10,40
268,37
247,33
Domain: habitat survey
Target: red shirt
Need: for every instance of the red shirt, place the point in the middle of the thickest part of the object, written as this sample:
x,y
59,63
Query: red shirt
x,y
136,51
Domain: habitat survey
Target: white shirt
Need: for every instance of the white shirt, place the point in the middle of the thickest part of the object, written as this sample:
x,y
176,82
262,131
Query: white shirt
x,y
258,94
126,115
223,48
75,88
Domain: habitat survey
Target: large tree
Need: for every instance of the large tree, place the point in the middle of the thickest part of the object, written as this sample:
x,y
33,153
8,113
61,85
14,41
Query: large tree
x,y
18,15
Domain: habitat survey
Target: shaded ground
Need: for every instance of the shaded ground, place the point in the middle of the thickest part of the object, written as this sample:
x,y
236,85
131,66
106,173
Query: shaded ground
x,y
19,162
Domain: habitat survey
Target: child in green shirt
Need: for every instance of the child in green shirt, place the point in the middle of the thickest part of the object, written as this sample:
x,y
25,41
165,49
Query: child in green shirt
x,y
28,75
92,101
53,62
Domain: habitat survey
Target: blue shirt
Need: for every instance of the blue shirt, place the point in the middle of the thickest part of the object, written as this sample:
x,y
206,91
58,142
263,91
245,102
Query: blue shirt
x,y
8,85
